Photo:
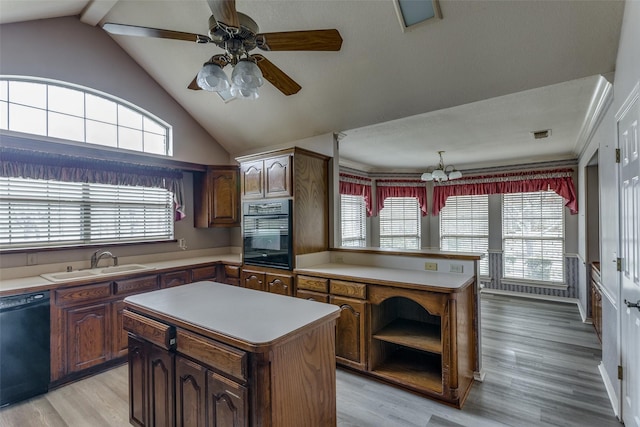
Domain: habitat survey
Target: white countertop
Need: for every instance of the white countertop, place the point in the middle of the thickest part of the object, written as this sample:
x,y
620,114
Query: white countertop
x,y
253,317
385,274
38,283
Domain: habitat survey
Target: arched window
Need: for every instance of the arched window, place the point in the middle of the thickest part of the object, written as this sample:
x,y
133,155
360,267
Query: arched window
x,y
74,113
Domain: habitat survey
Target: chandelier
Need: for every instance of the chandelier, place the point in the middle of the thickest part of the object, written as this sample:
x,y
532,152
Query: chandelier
x,y
441,172
245,80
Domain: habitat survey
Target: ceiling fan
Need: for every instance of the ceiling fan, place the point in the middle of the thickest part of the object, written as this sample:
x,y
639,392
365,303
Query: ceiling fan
x,y
237,34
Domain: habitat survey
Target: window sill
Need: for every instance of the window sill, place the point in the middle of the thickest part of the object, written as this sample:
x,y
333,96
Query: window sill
x,y
535,284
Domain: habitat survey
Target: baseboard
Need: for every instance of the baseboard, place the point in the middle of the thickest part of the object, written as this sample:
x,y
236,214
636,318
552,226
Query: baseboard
x,y
583,314
613,399
565,300
479,375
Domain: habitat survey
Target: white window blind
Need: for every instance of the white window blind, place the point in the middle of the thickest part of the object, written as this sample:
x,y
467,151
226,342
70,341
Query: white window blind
x,y
400,223
533,236
353,220
464,226
39,213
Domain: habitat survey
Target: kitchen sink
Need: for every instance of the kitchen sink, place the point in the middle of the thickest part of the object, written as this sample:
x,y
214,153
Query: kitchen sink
x,y
95,272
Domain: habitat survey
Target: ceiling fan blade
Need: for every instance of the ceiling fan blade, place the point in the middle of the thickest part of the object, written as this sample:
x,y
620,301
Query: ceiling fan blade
x,y
132,30
276,76
194,84
300,40
224,11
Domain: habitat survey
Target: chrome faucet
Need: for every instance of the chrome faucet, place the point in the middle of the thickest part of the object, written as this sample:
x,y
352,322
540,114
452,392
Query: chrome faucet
x,y
95,258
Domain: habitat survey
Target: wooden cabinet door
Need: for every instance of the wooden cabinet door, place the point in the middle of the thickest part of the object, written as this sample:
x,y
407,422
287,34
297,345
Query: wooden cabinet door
x,y
253,280
229,274
138,386
251,179
204,273
227,402
161,387
279,284
88,340
351,332
191,381
119,337
277,177
224,206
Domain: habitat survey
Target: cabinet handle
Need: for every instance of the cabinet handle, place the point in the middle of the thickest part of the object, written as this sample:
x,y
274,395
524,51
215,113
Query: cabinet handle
x,y
633,304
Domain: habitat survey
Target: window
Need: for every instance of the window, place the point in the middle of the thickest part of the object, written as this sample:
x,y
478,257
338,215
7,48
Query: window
x,y
464,226
60,110
39,213
400,223
353,220
533,236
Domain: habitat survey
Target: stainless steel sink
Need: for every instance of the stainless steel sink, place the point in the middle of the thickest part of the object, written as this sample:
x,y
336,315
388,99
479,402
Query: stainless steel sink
x,y
95,272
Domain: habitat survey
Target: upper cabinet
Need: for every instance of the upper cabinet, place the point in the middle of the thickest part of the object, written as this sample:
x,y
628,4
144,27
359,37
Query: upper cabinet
x,y
269,177
216,197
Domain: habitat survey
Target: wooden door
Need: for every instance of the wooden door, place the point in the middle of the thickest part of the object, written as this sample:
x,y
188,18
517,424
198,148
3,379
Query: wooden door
x,y
224,206
279,284
351,332
253,280
89,336
119,337
161,387
191,380
629,142
277,177
175,278
251,179
138,386
227,402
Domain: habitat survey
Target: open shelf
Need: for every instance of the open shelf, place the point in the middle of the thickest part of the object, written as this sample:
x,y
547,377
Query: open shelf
x,y
413,334
413,368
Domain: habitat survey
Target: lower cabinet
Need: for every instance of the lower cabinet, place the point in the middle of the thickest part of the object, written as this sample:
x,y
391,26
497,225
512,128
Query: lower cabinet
x,y
228,404
161,371
268,280
119,346
422,340
191,398
88,336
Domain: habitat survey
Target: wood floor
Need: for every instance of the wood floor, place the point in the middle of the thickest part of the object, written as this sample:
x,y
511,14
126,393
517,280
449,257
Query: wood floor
x,y
541,370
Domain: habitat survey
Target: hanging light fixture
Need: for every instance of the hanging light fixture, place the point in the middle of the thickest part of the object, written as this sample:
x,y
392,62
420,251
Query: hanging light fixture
x,y
441,172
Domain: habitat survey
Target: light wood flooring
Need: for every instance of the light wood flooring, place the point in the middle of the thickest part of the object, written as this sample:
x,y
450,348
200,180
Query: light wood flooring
x,y
541,370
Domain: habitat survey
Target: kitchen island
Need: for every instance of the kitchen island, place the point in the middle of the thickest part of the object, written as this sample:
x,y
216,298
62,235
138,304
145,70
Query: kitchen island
x,y
213,354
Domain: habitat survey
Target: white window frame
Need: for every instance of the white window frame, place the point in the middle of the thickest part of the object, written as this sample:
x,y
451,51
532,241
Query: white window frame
x,y
550,244
353,221
396,223
51,214
464,227
111,122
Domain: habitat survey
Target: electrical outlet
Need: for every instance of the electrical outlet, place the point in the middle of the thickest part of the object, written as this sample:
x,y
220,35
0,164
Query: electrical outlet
x,y
431,266
456,268
32,258
182,244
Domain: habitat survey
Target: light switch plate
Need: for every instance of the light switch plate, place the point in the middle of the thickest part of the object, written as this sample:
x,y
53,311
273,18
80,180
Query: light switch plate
x,y
431,266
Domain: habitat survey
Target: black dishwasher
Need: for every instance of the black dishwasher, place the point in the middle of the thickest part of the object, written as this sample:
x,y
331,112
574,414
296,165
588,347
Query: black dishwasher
x,y
24,346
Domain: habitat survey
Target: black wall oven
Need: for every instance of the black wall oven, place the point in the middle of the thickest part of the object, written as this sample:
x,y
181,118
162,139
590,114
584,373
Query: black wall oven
x,y
266,229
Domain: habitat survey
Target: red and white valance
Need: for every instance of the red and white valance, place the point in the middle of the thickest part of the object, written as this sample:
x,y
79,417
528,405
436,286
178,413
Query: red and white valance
x,y
352,185
560,181
394,188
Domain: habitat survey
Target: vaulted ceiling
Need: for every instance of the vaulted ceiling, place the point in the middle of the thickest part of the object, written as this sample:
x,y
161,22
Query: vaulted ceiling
x,y
474,84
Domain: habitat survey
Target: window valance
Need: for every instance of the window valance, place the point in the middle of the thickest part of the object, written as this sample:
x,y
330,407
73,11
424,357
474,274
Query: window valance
x,y
17,163
560,181
353,185
394,188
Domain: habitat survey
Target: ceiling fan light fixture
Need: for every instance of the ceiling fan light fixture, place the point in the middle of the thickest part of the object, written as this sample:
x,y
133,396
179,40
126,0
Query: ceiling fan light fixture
x,y
247,75
211,78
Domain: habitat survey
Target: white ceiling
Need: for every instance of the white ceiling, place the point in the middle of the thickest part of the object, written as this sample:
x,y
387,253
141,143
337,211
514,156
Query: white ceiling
x,y
473,84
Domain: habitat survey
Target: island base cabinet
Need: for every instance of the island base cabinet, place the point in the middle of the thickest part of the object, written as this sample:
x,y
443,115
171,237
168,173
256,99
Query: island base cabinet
x,y
191,380
227,402
151,385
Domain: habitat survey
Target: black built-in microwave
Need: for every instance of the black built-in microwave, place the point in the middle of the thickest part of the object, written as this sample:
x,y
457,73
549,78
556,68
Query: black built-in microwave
x,y
266,228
